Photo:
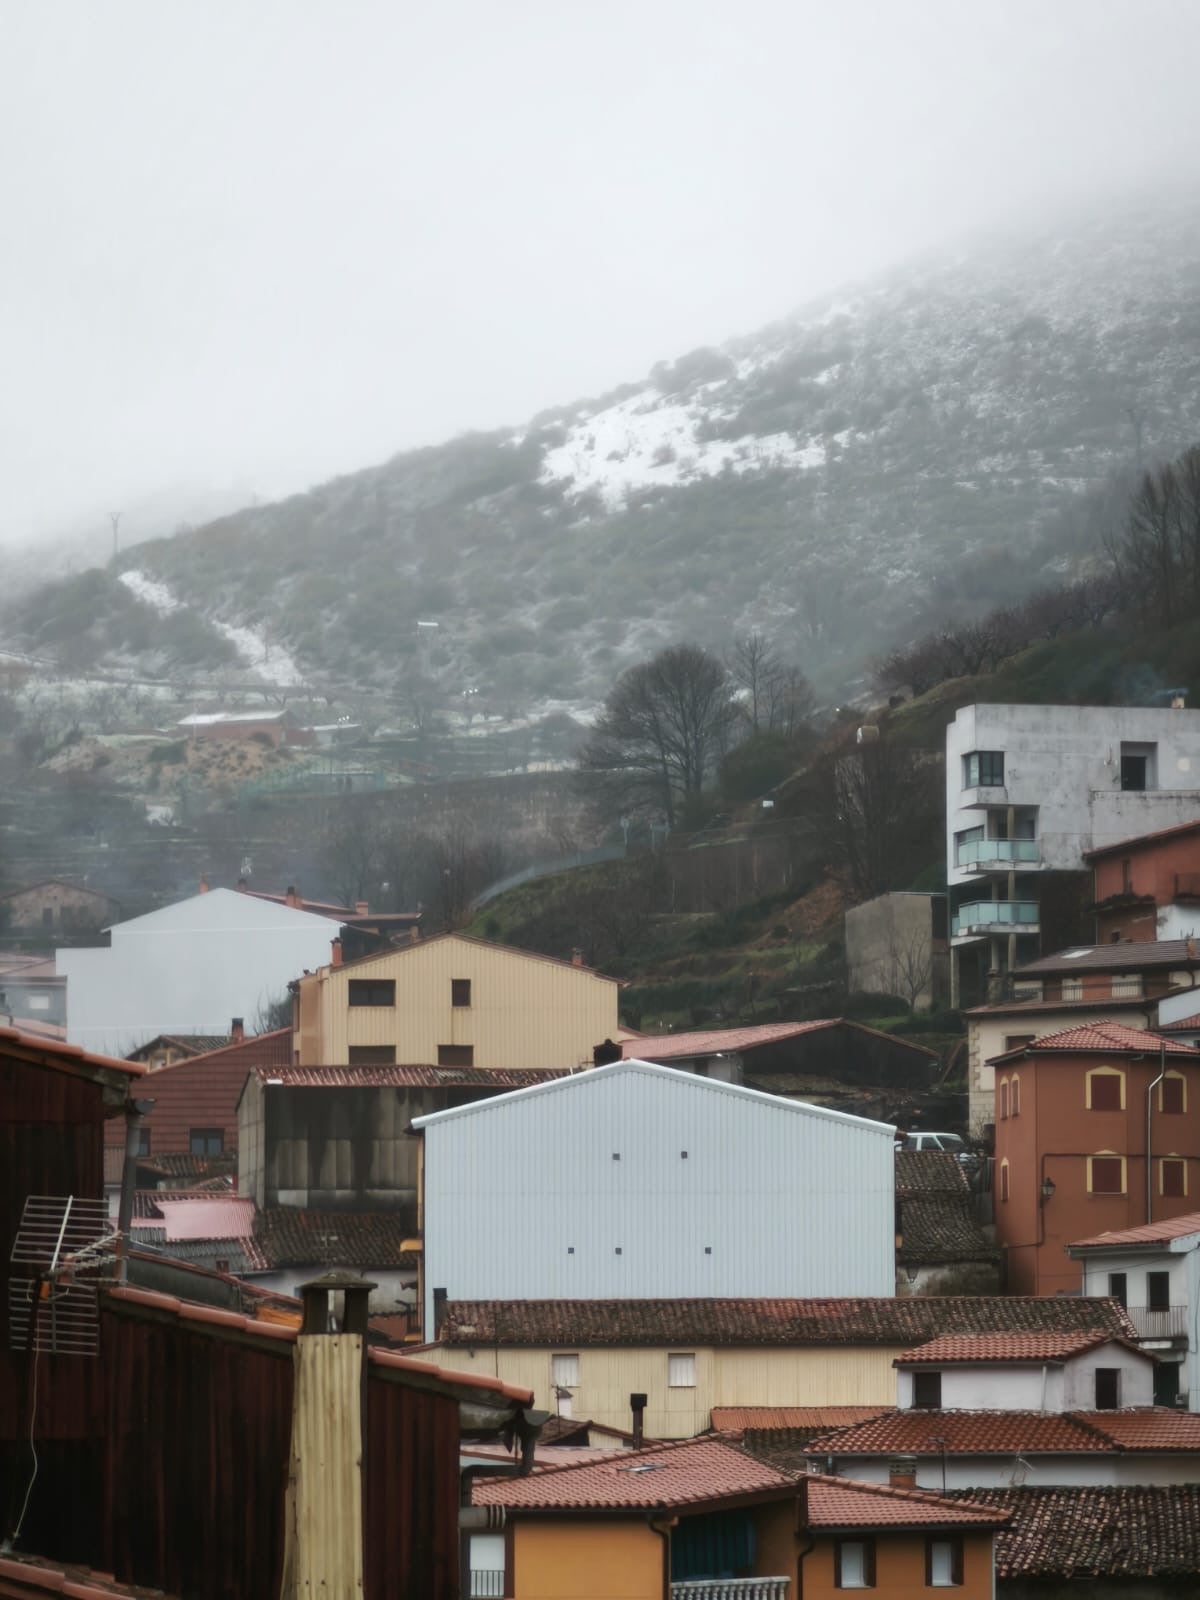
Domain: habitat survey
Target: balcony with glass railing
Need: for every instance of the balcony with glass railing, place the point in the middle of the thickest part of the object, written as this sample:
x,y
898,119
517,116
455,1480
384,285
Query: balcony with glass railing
x,y
984,917
998,855
731,1589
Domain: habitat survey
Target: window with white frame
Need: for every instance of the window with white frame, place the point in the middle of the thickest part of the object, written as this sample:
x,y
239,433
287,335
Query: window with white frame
x,y
681,1370
854,1564
944,1563
564,1371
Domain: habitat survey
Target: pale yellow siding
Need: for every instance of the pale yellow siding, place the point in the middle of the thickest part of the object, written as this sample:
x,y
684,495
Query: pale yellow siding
x,y
525,1011
830,1376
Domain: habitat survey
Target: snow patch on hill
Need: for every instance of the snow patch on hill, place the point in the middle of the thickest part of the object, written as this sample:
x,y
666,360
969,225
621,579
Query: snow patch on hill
x,y
269,661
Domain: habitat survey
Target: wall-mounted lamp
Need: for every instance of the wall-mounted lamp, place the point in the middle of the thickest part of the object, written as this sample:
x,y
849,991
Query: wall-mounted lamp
x,y
1048,1187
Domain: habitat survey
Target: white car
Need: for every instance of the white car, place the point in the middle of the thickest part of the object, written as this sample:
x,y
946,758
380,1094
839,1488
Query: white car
x,y
950,1142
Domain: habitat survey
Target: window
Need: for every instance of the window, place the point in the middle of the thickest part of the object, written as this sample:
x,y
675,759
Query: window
x,y
1172,1177
681,1371
1138,766
1127,877
1017,1041
488,1566
927,1391
47,917
38,1002
1106,1174
143,1141
1118,1287
1072,989
1015,1095
372,992
983,769
456,1055
1158,1291
1004,1179
372,1055
1108,1388
1172,1093
1003,1099
1105,1089
460,991
1166,1383
564,1371
206,1141
854,1564
944,1562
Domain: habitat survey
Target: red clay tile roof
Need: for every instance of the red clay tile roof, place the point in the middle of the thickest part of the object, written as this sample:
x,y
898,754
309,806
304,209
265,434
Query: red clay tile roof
x,y
714,1041
926,1172
1182,1025
1124,957
957,1349
66,1057
1092,1037
464,938
738,1419
1017,1008
1149,1430
204,1217
844,1503
939,1229
1149,1233
416,1076
975,1433
289,1237
565,1324
191,1044
689,1472
1097,1531
181,1164
1139,840
22,1575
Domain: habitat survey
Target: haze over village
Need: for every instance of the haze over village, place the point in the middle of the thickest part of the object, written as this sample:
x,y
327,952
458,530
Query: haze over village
x,y
600,801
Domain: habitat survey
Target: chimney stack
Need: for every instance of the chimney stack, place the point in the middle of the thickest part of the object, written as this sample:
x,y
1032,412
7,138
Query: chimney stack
x,y
291,898
362,908
577,957
902,1472
335,946
238,1030
243,886
637,1404
414,934
203,883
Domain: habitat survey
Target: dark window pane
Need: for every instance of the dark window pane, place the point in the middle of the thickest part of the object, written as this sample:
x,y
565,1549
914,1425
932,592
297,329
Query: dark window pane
x,y
1158,1291
1105,1090
1172,1094
372,1055
460,991
1106,1175
1174,1186
1108,1388
927,1391
372,992
456,1055
1117,1287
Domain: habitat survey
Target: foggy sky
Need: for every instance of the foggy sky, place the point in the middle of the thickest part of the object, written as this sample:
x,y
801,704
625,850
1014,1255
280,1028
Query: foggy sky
x,y
251,243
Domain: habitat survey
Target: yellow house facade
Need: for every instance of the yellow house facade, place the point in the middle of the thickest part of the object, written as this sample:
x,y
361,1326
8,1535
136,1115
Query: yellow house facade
x,y
453,1001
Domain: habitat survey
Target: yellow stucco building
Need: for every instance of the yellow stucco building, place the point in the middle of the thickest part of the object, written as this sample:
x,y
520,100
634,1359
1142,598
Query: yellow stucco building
x,y
453,1001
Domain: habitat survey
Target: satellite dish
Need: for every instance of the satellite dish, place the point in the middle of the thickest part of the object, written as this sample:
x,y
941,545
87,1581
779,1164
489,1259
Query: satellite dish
x,y
65,1245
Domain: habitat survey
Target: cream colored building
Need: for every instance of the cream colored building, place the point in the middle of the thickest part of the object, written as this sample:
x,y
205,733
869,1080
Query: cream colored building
x,y
454,1001
588,1357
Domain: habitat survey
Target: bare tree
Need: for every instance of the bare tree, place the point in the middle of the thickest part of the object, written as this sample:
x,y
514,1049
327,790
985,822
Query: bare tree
x,y
664,727
876,810
910,961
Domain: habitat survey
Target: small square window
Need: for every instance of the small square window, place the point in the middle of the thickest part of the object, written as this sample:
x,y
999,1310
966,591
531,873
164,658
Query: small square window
x,y
564,1371
854,1564
1171,1094
1108,1388
927,1391
681,1371
1107,1174
1174,1178
944,1563
1105,1091
983,769
206,1141
460,991
372,992
372,1055
456,1055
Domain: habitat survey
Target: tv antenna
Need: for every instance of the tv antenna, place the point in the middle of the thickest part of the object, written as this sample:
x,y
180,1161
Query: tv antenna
x,y
65,1246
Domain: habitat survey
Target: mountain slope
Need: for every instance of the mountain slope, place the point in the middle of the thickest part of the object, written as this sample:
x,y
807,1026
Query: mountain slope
x,y
930,439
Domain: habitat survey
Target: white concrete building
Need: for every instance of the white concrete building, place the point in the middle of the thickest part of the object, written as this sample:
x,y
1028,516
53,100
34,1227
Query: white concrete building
x,y
1024,1372
1154,1271
635,1181
1028,790
188,968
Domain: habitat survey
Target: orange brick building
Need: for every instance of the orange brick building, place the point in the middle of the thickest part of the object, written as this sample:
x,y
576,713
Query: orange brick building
x,y
1077,1114
1148,888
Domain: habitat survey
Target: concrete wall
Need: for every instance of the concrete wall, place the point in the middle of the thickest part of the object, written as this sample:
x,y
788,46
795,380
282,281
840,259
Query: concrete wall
x,y
890,949
1038,1471
1066,1386
1183,1263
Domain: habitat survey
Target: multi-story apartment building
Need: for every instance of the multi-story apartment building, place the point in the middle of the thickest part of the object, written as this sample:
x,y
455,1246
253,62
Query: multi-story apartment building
x,y
1148,888
1029,791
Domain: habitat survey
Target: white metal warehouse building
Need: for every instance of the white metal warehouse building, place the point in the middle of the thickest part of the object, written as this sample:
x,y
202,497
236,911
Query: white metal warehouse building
x,y
634,1180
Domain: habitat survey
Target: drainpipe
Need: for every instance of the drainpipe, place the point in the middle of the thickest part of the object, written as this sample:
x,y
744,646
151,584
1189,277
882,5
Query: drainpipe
x,y
1162,1072
802,1528
662,1527
135,1111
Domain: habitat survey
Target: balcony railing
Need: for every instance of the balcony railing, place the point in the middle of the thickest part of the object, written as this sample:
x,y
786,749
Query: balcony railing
x,y
731,1589
995,914
999,852
487,1583
1168,1324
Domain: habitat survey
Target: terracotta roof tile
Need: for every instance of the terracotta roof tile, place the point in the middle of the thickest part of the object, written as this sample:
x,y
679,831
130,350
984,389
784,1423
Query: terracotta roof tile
x,y
1090,1037
879,1321
1095,1531
1182,1025
690,1472
1151,1428
1139,840
713,1041
957,1349
816,1419
1148,1233
416,1076
941,1228
31,1575
289,1237
926,1172
972,1433
1122,957
845,1503
181,1164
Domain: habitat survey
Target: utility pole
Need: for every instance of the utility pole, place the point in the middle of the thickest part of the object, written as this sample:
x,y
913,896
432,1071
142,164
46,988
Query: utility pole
x,y
115,518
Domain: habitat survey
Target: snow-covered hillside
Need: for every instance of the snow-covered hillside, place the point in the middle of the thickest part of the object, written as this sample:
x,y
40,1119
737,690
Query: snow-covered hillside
x,y
267,661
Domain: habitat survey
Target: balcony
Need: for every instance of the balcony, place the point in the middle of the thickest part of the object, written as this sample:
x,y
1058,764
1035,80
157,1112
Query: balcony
x,y
487,1583
731,1589
998,855
983,917
1170,1323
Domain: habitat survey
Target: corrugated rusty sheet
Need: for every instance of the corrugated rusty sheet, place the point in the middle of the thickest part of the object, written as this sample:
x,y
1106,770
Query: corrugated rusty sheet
x,y
412,1504
324,1535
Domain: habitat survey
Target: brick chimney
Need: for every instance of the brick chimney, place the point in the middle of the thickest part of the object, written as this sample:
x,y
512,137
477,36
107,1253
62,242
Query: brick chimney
x,y
414,933
361,908
335,947
203,883
237,1030
576,957
291,898
902,1472
243,886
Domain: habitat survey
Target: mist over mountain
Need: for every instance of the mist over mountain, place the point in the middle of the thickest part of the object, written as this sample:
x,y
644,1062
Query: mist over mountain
x,y
941,439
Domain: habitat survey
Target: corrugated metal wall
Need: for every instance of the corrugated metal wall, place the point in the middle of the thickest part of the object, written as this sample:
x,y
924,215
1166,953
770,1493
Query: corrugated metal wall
x,y
524,1011
640,1183
411,1519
